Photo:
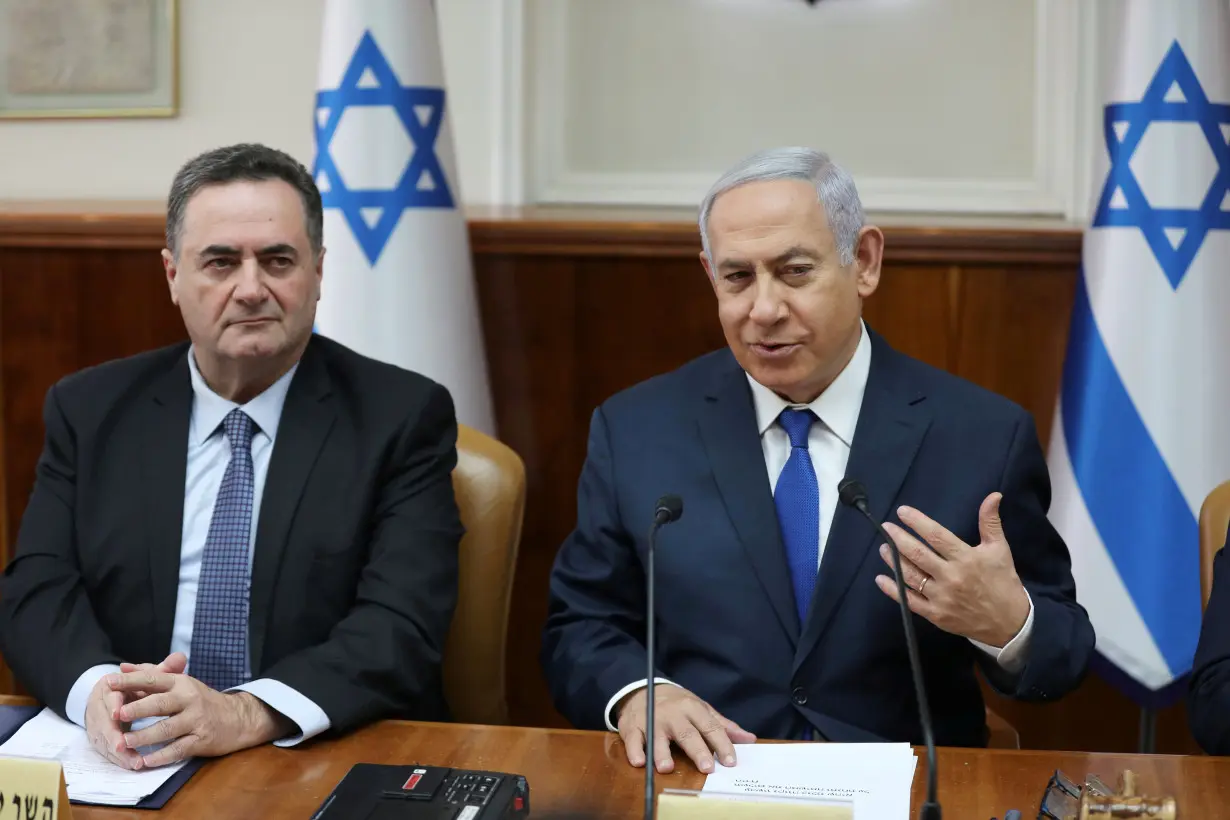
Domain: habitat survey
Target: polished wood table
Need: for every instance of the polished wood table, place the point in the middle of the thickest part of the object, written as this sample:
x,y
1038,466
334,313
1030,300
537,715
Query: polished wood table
x,y
585,774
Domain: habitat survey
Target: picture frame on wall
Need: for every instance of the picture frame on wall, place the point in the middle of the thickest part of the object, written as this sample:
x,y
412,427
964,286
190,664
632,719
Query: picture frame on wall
x,y
88,59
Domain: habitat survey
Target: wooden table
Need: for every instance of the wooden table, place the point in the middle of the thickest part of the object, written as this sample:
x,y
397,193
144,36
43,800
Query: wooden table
x,y
584,774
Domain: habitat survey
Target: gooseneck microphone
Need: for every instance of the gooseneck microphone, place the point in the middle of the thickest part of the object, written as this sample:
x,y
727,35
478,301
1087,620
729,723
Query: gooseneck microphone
x,y
669,508
853,494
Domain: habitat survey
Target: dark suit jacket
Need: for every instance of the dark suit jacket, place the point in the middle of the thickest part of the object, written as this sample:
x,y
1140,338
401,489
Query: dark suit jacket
x,y
1208,701
727,626
354,574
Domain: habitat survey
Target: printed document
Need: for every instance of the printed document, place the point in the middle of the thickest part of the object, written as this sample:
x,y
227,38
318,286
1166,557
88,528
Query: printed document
x,y
91,778
876,776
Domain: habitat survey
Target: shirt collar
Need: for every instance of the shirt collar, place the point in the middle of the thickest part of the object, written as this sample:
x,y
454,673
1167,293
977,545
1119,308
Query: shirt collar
x,y
838,406
209,409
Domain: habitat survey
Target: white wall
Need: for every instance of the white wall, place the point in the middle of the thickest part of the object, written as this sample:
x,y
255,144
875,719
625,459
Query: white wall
x,y
247,73
948,105
935,105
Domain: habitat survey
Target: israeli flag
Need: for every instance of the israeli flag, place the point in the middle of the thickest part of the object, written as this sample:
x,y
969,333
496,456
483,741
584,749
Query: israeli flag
x,y
1141,433
399,283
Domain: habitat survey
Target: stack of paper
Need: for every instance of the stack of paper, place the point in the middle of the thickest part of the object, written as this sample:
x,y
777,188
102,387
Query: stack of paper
x,y
876,776
91,778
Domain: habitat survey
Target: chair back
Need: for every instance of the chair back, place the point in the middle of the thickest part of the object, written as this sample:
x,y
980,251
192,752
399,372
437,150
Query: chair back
x,y
1000,733
489,483
1214,519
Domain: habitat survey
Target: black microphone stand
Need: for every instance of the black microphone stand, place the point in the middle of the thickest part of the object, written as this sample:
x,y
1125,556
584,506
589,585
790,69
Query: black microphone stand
x,y
670,508
650,674
853,494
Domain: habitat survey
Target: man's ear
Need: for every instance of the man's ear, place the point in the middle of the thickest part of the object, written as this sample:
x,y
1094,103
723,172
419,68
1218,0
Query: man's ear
x,y
708,266
868,254
320,270
172,271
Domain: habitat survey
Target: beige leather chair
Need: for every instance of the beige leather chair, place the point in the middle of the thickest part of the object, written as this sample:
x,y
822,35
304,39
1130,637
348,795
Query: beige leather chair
x,y
1002,733
489,482
1214,518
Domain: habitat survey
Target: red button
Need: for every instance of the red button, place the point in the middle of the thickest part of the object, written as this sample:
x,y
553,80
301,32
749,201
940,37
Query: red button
x,y
518,804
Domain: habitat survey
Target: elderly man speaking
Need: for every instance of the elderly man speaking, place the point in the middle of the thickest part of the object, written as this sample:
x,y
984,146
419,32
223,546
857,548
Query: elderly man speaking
x,y
776,606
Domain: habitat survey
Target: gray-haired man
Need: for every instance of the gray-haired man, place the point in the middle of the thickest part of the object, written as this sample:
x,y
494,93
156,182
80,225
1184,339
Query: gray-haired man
x,y
776,615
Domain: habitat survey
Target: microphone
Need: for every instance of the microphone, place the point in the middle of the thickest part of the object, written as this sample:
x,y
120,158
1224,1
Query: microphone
x,y
669,508
853,494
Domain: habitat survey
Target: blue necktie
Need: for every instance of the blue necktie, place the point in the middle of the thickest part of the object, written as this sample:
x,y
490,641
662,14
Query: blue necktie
x,y
797,497
220,625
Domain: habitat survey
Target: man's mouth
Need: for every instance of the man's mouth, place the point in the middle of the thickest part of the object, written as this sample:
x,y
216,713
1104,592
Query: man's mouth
x,y
774,348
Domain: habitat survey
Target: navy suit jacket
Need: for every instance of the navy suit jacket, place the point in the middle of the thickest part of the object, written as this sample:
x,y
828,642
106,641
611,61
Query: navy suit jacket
x,y
1208,706
727,625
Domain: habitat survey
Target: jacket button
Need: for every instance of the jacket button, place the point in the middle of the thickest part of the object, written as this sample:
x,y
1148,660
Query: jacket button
x,y
799,696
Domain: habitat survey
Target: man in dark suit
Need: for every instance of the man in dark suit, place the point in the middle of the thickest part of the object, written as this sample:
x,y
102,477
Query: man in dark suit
x,y
252,536
775,618
1208,700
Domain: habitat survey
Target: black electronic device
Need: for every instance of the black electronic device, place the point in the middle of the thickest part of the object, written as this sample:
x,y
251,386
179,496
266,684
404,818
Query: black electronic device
x,y
372,791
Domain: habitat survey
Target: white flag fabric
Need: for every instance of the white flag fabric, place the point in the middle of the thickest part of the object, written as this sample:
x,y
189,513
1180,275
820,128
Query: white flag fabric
x,y
1141,433
399,283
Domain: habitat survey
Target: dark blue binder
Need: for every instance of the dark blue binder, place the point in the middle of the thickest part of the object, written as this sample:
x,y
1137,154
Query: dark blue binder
x,y
13,718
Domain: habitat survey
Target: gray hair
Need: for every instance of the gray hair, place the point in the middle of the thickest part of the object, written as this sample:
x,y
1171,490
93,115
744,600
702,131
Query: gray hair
x,y
834,189
249,162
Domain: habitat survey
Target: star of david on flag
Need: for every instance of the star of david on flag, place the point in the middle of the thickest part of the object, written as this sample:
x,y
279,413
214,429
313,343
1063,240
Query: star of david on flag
x,y
1174,234
398,280
1140,438
372,213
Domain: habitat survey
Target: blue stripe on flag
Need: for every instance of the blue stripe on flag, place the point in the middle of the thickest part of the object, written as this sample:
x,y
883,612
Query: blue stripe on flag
x,y
1142,518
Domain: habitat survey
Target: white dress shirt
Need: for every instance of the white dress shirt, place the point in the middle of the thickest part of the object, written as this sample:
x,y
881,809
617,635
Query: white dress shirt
x,y
209,453
828,443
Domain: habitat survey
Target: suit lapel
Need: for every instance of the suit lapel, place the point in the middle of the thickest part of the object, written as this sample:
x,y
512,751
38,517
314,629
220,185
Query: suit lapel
x,y
732,441
163,457
307,418
892,422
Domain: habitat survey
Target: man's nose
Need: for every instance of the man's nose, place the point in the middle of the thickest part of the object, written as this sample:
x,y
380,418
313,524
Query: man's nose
x,y
251,285
767,304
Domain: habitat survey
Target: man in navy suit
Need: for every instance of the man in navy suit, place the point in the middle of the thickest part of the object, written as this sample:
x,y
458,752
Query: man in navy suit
x,y
1208,701
774,617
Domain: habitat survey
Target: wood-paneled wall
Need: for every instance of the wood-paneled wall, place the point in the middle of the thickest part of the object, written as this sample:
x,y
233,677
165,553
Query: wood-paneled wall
x,y
576,305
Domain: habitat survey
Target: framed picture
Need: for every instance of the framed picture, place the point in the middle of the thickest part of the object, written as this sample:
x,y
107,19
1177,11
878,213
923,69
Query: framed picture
x,y
88,58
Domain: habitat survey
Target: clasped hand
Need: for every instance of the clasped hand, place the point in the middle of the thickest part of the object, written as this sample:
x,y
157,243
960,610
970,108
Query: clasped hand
x,y
197,721
969,591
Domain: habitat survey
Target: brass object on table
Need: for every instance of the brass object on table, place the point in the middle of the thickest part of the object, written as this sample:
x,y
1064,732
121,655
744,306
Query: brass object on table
x,y
1064,800
1124,803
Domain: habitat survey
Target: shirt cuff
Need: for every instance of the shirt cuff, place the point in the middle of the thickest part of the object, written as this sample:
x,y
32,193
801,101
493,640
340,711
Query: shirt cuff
x,y
79,695
304,712
632,687
1012,657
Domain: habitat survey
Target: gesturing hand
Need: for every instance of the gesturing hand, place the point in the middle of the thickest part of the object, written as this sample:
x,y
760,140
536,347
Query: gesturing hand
x,y
198,722
680,716
969,591
103,725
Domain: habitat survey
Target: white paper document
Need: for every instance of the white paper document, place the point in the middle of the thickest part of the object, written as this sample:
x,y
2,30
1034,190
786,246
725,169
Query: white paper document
x,y
877,777
91,778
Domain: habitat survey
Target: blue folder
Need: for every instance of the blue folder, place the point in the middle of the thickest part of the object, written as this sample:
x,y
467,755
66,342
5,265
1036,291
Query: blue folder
x,y
13,718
